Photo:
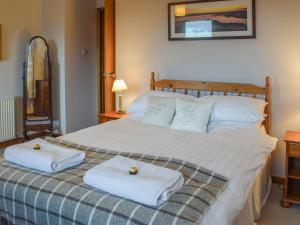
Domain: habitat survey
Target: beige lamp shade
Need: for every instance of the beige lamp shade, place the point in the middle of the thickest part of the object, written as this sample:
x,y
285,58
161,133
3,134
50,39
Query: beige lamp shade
x,y
119,85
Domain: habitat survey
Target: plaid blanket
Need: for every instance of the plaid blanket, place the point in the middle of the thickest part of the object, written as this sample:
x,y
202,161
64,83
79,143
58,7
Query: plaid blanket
x,y
31,197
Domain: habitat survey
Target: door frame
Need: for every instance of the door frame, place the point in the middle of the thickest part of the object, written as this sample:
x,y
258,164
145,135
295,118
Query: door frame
x,y
109,55
100,59
106,74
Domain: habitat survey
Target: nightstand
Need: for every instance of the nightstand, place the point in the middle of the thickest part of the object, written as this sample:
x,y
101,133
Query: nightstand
x,y
105,117
292,169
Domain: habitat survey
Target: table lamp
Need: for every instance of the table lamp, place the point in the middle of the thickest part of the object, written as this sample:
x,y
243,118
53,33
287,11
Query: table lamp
x,y
119,86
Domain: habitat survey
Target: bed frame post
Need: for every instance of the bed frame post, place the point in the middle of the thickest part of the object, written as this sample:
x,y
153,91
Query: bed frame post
x,y
152,82
268,107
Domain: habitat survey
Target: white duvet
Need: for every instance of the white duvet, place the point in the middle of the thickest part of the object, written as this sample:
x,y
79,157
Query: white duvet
x,y
236,155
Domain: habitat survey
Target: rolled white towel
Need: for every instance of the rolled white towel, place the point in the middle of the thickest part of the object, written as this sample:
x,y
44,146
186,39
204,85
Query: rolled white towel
x,y
50,158
153,185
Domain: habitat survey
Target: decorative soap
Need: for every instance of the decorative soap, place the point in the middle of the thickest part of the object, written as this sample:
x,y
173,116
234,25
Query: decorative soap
x,y
37,147
133,170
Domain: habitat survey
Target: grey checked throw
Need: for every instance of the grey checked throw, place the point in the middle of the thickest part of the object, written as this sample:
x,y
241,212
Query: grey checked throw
x,y
29,197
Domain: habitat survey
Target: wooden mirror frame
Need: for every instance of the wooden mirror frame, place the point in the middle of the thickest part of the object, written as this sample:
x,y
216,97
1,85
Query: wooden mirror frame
x,y
39,126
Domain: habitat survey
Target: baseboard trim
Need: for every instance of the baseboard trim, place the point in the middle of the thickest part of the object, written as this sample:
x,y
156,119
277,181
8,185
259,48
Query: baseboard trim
x,y
15,141
277,180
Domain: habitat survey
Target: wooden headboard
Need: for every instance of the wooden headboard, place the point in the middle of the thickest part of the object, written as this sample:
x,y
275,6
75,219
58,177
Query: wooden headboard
x,y
219,87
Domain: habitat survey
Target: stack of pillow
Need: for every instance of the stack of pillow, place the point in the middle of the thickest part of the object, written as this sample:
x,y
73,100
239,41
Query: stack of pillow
x,y
208,113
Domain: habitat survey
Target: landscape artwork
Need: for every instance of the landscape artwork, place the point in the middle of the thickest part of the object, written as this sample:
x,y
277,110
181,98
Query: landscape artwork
x,y
219,19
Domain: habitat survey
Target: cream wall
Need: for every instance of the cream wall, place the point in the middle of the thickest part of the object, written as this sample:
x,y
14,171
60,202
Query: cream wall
x,y
18,26
143,46
81,82
100,3
70,27
53,29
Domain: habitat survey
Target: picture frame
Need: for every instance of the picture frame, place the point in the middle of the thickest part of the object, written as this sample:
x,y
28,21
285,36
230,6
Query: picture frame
x,y
212,20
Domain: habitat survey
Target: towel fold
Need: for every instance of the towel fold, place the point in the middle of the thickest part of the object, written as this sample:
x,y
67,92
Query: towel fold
x,y
153,185
50,158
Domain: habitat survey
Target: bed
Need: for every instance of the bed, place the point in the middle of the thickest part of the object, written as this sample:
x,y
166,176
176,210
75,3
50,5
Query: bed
x,y
243,157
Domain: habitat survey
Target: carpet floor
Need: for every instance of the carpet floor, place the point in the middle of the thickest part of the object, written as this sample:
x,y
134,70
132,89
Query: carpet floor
x,y
273,213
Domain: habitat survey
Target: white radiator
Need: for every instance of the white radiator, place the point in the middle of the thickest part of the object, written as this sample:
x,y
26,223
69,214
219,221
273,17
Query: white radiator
x,y
7,119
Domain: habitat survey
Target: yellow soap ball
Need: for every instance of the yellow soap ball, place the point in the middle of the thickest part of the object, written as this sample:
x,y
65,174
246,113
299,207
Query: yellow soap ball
x,y
37,147
133,170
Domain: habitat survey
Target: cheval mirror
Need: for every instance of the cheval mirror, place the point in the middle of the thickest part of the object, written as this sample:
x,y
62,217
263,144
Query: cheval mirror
x,y
37,78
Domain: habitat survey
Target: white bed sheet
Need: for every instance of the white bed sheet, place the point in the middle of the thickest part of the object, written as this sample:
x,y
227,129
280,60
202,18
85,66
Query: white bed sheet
x,y
236,155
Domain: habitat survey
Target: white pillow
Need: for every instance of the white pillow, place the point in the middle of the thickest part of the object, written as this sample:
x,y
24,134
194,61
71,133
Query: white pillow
x,y
237,109
192,116
226,126
139,106
160,111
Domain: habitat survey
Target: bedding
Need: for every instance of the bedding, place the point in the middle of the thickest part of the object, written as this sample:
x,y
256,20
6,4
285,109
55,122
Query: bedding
x,y
236,109
226,108
113,176
227,126
240,156
257,198
49,158
191,116
160,111
139,106
28,197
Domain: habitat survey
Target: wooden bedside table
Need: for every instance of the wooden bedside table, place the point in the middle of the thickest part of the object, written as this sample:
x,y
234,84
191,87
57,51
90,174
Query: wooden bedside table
x,y
292,169
105,117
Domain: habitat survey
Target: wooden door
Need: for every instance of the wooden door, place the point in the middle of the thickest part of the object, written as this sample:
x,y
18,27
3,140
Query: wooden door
x,y
109,55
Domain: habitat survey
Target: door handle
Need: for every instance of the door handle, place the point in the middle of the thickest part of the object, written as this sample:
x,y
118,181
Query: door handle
x,y
109,75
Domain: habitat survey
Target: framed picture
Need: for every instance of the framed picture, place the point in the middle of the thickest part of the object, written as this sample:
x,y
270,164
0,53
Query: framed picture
x,y
212,19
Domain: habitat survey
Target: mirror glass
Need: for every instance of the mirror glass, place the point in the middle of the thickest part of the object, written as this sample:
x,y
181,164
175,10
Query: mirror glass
x,y
37,80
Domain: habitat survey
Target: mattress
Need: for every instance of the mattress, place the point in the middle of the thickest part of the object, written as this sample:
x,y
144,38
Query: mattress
x,y
238,155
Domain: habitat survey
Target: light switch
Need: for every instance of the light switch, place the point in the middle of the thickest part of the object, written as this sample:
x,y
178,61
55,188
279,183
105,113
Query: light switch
x,y
84,51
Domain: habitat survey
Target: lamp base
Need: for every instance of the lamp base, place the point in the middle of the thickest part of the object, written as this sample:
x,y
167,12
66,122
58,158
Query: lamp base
x,y
121,112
